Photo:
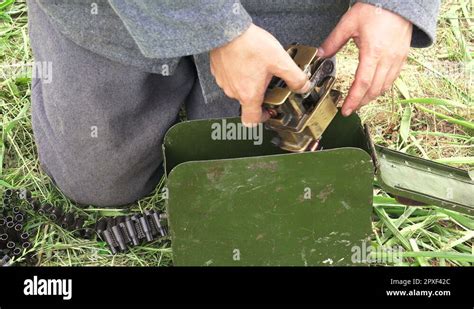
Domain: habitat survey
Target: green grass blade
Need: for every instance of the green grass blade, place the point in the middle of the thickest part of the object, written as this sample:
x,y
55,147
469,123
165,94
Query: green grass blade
x,y
387,221
3,183
455,256
442,134
460,122
461,219
421,260
434,101
402,87
456,160
405,124
440,254
5,4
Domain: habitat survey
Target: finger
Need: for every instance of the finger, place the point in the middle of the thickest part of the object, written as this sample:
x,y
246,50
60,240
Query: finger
x,y
362,82
253,114
219,82
251,100
376,88
222,84
252,111
229,89
265,115
338,37
393,75
286,69
212,69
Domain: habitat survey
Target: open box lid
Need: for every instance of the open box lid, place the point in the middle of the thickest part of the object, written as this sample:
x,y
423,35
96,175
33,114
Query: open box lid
x,y
412,179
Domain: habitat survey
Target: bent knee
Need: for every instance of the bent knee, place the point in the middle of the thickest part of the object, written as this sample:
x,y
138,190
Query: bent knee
x,y
98,188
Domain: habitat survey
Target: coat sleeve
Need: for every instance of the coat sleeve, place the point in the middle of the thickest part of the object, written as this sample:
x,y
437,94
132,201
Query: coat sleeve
x,y
175,28
423,14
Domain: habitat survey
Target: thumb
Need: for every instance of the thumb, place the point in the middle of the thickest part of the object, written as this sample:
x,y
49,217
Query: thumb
x,y
288,70
336,39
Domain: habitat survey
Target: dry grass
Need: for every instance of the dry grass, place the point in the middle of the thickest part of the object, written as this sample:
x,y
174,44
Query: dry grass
x,y
442,236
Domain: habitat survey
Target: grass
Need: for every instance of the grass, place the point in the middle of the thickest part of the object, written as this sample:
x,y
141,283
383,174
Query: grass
x,y
427,113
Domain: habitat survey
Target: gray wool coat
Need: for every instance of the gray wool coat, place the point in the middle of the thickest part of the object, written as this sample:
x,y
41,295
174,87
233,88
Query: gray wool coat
x,y
154,35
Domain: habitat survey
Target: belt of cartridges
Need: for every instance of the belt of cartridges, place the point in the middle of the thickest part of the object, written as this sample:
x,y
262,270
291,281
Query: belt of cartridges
x,y
13,237
119,233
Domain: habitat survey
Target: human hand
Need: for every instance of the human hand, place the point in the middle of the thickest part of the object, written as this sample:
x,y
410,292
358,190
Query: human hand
x,y
244,67
383,39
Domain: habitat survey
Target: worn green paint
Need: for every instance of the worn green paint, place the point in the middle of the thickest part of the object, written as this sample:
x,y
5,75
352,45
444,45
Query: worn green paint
x,y
257,206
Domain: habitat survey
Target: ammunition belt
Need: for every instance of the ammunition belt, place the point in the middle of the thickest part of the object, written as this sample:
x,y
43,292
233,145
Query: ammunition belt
x,y
13,238
119,233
